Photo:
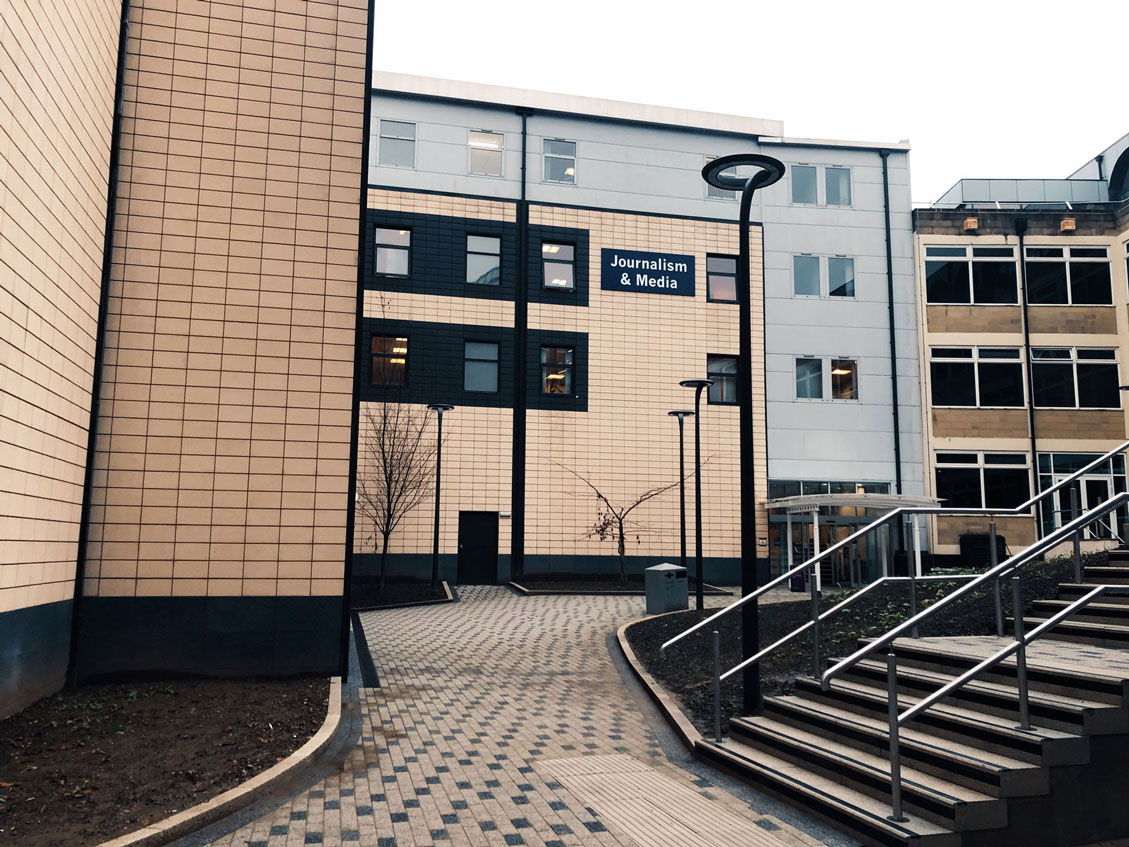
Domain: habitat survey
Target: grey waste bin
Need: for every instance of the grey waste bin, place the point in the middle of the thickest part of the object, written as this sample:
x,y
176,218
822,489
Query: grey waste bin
x,y
666,588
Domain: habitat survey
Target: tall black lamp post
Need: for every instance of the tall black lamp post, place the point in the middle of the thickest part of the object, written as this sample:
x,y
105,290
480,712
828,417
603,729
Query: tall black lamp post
x,y
698,385
439,409
681,414
768,171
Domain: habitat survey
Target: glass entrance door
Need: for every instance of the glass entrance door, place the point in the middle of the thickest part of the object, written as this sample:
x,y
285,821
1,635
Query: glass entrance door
x,y
1092,491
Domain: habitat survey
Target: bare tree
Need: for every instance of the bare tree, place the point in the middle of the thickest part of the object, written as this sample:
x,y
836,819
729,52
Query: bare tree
x,y
396,471
611,520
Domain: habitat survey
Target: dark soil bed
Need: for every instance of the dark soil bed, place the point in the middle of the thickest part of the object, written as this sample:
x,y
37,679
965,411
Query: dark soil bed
x,y
366,593
596,584
89,765
686,669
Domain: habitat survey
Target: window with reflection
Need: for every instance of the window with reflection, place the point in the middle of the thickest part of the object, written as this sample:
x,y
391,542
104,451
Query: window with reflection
x,y
809,379
1075,378
838,184
976,376
483,259
558,265
393,251
389,360
721,279
977,480
980,275
560,160
486,150
397,144
840,276
723,371
1068,276
804,185
480,366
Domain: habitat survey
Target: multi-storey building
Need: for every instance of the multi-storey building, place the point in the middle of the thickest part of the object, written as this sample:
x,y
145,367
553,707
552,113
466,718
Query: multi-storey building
x,y
1024,334
553,266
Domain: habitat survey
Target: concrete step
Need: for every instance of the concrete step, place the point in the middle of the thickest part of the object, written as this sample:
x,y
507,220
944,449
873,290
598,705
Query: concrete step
x,y
991,733
1073,591
1082,632
855,812
1113,614
936,799
1111,575
994,774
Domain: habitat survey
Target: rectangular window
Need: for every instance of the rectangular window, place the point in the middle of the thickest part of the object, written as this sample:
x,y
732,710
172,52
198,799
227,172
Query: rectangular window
x,y
721,279
838,181
397,146
389,360
989,377
556,370
1068,276
485,152
809,379
480,366
720,193
983,480
393,251
981,275
560,160
558,265
840,276
805,276
483,259
844,379
1075,378
804,186
723,371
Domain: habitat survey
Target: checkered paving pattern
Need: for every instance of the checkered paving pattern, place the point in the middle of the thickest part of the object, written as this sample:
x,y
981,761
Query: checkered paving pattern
x,y
476,698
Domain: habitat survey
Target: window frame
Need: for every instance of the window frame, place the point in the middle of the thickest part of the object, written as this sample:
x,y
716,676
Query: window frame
x,y
969,260
821,177
496,361
974,360
546,155
380,136
796,378
1067,259
823,281
545,261
1074,360
850,187
710,298
569,368
469,252
391,355
378,247
501,151
983,466
721,379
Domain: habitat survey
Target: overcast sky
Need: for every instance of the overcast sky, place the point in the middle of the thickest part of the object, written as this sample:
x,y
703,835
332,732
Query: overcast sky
x,y
991,88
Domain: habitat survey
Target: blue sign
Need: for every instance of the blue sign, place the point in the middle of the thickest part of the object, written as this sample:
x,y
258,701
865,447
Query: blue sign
x,y
651,273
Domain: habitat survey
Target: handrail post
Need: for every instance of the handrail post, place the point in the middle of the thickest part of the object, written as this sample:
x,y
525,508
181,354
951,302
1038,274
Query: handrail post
x,y
815,549
915,572
895,752
1075,512
1021,655
994,558
716,687
815,658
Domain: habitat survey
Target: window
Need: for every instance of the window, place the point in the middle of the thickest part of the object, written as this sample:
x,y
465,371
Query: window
x,y
556,370
393,251
983,480
560,160
982,275
844,379
558,268
480,366
721,279
1097,486
483,259
1075,378
804,184
809,379
976,376
838,182
808,276
485,152
720,193
1067,276
389,360
397,144
723,371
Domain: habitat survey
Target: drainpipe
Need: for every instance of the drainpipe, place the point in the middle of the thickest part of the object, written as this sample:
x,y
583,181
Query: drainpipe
x,y
1100,159
521,318
885,154
1020,231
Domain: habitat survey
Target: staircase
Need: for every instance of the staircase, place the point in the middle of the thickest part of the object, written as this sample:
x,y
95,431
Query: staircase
x,y
970,776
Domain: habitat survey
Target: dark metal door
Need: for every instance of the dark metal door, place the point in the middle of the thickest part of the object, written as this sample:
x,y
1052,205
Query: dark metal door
x,y
478,548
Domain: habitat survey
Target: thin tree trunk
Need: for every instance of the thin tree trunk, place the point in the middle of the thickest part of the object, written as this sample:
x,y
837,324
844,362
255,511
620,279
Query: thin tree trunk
x,y
383,561
622,562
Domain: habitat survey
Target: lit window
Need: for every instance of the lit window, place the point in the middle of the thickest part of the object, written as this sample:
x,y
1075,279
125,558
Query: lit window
x,y
397,145
1067,276
485,152
389,360
483,259
723,371
480,366
558,265
1075,378
556,370
838,183
981,275
804,184
721,279
977,480
844,379
809,379
393,251
560,160
988,377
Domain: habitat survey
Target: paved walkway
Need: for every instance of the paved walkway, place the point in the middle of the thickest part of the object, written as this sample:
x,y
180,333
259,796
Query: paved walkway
x,y
502,720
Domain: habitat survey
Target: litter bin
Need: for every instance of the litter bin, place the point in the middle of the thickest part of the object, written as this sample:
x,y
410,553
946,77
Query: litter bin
x,y
666,588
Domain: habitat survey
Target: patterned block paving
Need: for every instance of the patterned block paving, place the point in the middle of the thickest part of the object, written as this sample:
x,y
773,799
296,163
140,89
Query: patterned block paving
x,y
476,696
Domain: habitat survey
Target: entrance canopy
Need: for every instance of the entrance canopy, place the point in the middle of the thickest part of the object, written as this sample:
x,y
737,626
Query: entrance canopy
x,y
806,503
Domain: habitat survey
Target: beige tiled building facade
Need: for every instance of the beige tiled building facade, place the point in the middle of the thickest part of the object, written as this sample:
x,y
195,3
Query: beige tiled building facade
x,y
217,497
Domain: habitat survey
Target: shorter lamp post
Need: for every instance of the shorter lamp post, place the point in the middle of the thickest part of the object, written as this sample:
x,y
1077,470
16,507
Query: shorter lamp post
x,y
681,414
439,409
698,385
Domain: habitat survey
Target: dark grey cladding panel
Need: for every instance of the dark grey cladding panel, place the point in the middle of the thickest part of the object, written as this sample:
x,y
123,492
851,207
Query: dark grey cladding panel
x,y
34,645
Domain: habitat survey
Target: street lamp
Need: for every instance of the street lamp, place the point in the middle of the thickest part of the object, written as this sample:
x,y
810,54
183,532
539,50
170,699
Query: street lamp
x,y
768,171
439,409
698,385
681,414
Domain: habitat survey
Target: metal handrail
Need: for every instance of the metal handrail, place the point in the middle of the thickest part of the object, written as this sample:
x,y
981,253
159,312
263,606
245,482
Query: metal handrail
x,y
889,517
1015,562
1018,646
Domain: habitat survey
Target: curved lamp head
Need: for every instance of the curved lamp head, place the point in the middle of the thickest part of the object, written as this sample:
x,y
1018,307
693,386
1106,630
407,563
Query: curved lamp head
x,y
440,407
681,413
696,383
771,170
